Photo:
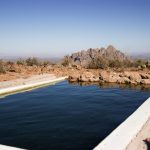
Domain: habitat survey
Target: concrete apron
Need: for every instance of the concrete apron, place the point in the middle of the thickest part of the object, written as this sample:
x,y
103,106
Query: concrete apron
x,y
27,87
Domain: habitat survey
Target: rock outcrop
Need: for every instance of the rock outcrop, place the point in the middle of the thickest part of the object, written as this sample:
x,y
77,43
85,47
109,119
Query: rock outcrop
x,y
145,81
85,77
84,57
127,77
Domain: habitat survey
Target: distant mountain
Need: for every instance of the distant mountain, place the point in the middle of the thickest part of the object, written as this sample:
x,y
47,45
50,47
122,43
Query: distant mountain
x,y
110,53
143,56
15,58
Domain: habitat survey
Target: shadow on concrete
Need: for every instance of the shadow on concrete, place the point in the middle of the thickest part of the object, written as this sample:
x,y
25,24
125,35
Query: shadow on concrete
x,y
148,144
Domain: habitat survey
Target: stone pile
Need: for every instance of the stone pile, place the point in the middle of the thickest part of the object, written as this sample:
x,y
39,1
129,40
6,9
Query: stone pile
x,y
126,77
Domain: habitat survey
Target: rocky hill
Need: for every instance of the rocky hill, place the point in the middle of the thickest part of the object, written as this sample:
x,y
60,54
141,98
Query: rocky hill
x,y
86,56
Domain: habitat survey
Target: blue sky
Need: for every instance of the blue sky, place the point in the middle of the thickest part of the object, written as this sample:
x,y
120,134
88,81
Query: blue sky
x,y
53,28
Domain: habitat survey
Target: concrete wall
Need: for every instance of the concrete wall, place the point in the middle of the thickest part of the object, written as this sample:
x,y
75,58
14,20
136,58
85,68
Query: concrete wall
x,y
10,90
123,135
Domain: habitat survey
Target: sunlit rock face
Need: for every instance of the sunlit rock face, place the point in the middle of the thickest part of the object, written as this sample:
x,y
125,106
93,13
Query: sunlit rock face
x,y
85,56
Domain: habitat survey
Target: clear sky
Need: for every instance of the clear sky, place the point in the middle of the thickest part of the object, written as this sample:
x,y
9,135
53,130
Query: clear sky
x,y
53,28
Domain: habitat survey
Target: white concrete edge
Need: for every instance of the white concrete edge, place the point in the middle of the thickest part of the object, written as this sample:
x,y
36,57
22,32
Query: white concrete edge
x,y
121,137
3,147
22,87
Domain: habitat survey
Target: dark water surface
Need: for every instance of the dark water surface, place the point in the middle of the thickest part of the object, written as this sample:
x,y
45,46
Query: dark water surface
x,y
65,116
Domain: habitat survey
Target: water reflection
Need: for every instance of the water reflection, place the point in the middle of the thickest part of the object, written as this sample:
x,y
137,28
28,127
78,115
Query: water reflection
x,y
113,85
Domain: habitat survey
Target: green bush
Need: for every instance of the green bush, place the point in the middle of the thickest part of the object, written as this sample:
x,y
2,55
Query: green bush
x,y
98,63
32,62
102,63
139,63
115,64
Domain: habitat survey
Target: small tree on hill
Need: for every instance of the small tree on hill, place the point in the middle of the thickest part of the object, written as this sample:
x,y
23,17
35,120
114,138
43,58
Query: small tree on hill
x,y
21,62
98,63
32,61
66,61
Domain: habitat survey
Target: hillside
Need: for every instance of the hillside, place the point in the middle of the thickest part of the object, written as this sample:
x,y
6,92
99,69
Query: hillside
x,y
110,53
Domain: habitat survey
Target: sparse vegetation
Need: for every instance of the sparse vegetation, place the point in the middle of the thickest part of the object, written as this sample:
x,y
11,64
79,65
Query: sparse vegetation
x,y
32,61
46,63
115,64
101,63
65,61
2,67
10,63
141,64
98,63
148,63
21,62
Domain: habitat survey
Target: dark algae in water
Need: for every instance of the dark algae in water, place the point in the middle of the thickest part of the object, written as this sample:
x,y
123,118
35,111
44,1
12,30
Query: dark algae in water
x,y
66,116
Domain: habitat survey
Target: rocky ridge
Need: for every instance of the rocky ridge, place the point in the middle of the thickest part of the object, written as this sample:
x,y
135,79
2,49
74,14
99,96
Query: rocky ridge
x,y
84,57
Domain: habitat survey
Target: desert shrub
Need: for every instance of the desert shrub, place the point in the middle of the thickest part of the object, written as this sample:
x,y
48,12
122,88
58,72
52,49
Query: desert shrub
x,y
2,67
98,63
65,61
21,62
115,64
148,63
32,61
128,63
139,63
46,63
10,63
105,63
120,64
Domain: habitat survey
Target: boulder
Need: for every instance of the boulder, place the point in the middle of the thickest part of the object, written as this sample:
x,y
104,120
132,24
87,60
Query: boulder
x,y
110,77
94,79
133,76
113,78
88,77
104,75
124,80
74,78
145,75
145,81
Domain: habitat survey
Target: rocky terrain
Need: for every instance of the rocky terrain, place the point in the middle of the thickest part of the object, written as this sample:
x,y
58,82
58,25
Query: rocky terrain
x,y
77,68
84,57
80,74
110,76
